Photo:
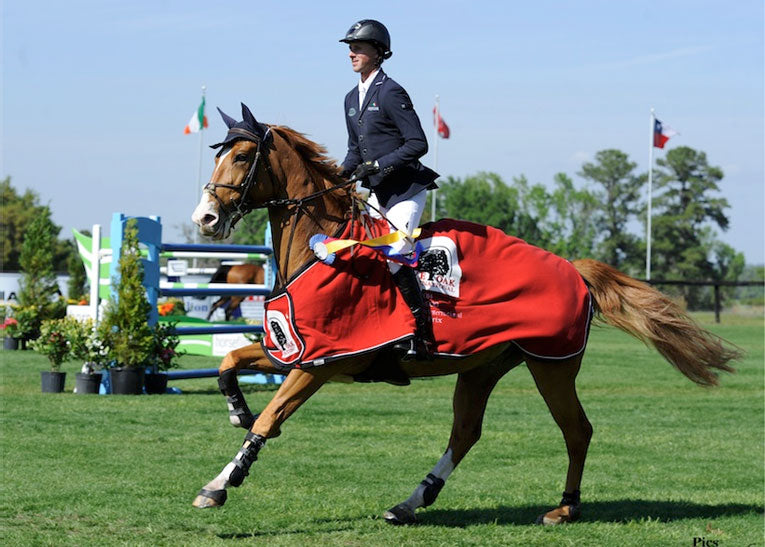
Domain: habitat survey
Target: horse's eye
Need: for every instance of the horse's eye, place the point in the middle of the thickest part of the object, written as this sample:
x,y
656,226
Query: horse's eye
x,y
241,157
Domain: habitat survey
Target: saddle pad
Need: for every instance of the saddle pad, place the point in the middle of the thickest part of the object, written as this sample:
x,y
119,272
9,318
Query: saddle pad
x,y
327,312
484,288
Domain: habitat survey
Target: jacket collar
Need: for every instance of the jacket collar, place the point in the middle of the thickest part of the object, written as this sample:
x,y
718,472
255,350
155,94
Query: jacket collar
x,y
373,89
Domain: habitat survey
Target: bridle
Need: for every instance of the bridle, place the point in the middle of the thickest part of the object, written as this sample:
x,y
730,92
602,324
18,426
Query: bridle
x,y
241,206
238,208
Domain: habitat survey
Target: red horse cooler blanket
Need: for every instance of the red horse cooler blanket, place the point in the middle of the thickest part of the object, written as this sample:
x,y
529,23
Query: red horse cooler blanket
x,y
484,288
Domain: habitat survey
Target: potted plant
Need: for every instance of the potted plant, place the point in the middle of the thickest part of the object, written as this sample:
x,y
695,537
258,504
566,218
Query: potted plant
x,y
10,339
87,346
164,357
125,329
54,344
22,326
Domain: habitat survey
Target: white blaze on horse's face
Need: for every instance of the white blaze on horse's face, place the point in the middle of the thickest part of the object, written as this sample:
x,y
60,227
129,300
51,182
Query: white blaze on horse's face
x,y
206,213
223,198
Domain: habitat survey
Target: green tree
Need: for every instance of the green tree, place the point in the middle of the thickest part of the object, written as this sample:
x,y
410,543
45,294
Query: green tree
x,y
687,212
38,286
571,226
17,211
251,229
125,325
77,275
486,199
560,221
619,195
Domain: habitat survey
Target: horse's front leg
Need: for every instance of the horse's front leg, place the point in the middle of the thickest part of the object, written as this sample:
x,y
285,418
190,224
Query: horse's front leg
x,y
251,357
296,389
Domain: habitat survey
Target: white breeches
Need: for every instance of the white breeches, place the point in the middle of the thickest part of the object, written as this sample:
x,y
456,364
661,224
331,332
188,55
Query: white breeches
x,y
404,216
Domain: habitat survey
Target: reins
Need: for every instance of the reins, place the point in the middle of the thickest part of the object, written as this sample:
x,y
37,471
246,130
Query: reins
x,y
241,207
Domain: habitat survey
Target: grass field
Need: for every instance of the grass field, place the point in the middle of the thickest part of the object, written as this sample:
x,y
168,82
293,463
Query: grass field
x,y
669,461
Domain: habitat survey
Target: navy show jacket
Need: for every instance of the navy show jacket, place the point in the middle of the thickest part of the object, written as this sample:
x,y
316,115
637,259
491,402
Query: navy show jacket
x,y
386,129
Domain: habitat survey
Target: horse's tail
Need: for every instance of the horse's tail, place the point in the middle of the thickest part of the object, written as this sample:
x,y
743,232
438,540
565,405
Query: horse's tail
x,y
648,315
220,274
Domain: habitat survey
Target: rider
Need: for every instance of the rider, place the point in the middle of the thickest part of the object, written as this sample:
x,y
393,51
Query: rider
x,y
385,142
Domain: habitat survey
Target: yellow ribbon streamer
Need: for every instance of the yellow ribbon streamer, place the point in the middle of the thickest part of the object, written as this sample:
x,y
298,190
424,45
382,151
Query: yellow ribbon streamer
x,y
387,239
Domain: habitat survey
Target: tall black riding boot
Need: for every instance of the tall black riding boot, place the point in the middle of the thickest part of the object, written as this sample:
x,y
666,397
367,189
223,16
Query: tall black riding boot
x,y
422,346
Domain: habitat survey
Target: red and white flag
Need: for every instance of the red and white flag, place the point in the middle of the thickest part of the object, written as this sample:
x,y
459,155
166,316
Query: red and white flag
x,y
198,120
438,121
661,133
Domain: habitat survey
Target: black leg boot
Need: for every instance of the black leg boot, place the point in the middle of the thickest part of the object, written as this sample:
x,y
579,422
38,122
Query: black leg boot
x,y
422,346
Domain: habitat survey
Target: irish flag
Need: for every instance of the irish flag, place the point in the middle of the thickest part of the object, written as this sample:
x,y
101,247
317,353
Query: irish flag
x,y
198,120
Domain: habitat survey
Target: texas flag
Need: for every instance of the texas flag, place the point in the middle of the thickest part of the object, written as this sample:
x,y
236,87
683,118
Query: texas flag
x,y
661,133
438,121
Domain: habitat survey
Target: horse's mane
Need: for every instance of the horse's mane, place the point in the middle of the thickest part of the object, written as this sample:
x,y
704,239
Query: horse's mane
x,y
314,155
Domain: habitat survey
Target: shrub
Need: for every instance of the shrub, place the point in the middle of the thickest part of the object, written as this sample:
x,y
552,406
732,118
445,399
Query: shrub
x,y
22,322
53,342
165,343
86,344
125,329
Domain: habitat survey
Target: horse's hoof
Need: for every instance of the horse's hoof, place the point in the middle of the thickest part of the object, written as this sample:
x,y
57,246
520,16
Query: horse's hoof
x,y
560,515
400,514
210,498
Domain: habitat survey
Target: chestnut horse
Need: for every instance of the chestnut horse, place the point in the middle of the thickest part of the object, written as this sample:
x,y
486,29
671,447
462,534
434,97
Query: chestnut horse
x,y
238,273
278,168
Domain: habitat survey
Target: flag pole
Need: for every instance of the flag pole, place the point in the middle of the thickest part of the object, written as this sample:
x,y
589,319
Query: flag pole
x,y
199,170
435,160
650,198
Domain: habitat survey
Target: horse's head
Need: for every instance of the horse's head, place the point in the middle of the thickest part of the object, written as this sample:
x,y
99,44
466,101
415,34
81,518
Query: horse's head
x,y
242,178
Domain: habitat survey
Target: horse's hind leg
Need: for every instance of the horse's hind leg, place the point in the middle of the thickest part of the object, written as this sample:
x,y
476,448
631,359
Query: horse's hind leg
x,y
470,397
556,382
233,304
217,304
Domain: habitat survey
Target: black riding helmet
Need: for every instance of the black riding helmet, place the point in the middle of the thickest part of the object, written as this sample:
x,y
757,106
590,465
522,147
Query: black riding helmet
x,y
369,30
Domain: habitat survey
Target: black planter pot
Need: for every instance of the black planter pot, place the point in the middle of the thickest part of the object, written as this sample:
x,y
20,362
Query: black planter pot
x,y
10,343
87,383
155,384
52,382
127,380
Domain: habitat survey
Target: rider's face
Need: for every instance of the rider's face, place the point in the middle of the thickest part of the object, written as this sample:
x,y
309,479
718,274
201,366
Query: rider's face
x,y
363,57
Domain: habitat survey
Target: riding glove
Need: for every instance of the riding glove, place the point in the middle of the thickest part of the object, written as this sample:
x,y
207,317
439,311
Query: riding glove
x,y
366,169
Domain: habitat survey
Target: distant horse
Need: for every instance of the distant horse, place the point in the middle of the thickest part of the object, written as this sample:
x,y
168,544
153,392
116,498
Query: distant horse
x,y
279,169
240,273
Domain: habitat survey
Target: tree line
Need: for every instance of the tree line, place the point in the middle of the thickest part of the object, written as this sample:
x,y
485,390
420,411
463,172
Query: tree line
x,y
602,217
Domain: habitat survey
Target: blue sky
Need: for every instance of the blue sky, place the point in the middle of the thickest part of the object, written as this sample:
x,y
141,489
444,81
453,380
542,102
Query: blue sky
x,y
96,94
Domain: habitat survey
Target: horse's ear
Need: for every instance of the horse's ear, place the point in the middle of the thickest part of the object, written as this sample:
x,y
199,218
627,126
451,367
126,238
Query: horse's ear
x,y
250,120
228,120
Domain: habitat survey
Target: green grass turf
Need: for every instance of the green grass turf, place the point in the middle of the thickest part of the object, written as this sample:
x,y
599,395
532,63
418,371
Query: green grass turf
x,y
669,461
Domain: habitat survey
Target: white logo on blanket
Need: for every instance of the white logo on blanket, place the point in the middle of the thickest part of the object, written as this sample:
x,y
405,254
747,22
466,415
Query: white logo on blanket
x,y
438,268
279,332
